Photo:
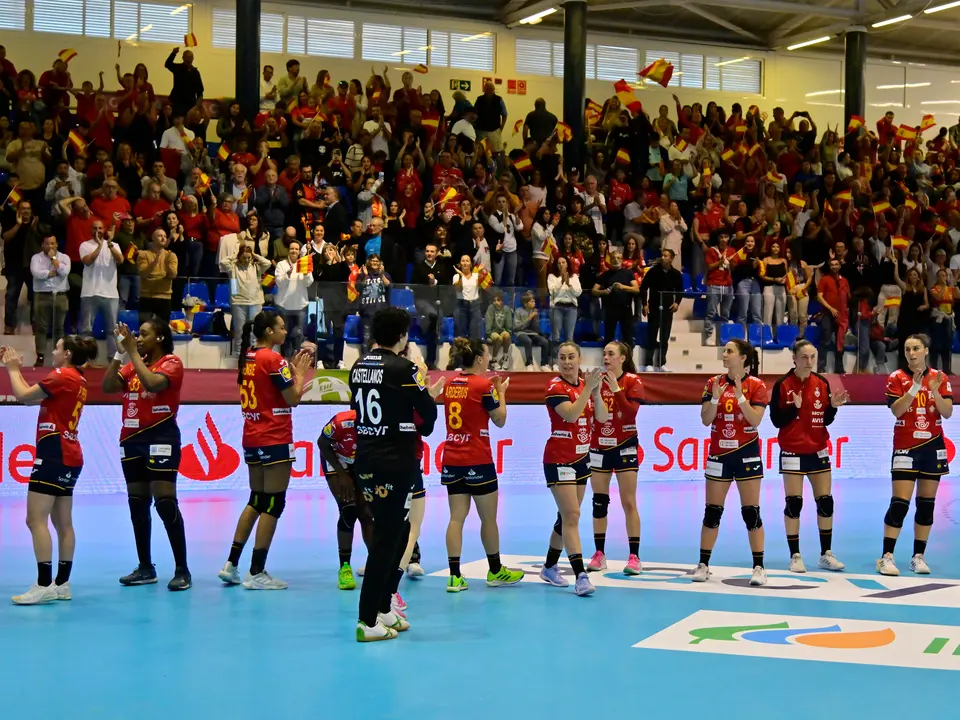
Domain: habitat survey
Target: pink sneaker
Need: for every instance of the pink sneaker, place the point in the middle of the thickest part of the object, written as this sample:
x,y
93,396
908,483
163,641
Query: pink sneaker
x,y
633,566
597,562
398,605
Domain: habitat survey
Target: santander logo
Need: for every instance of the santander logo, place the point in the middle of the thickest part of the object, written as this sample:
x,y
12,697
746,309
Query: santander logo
x,y
218,462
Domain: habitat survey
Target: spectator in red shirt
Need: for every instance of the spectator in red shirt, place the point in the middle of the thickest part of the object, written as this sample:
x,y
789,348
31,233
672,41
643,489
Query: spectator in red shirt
x,y
54,84
886,130
109,206
719,282
79,225
149,209
834,295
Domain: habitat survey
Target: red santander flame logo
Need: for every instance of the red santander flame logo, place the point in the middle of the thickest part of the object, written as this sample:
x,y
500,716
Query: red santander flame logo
x,y
218,462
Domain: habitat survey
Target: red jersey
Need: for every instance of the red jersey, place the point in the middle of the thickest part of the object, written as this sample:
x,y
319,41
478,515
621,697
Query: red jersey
x,y
730,430
718,276
569,441
267,419
622,407
922,422
57,436
342,434
803,430
467,402
147,416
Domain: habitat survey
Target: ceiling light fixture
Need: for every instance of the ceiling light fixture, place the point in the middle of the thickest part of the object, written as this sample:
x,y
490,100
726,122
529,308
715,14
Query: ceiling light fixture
x,y
932,10
808,43
891,21
475,37
537,17
731,62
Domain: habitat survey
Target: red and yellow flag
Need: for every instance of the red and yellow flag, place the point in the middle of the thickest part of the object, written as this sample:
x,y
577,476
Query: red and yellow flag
x,y
77,142
190,40
305,264
67,54
623,157
927,122
203,184
740,129
659,71
910,203
627,98
774,177
727,154
450,194
517,126
131,253
940,227
352,292
484,278
845,196
680,144
522,163
798,201
564,132
14,197
421,68
905,132
593,112
268,282
433,123
900,242
754,149
855,122
223,153
881,206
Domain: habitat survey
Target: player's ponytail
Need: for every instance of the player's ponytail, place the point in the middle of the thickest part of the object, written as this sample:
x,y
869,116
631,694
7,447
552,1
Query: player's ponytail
x,y
627,354
82,349
244,347
751,357
464,353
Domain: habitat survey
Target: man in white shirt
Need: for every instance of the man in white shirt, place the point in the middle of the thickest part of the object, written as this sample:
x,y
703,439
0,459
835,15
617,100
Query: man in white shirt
x,y
177,137
49,269
268,90
464,126
292,297
594,203
379,130
98,293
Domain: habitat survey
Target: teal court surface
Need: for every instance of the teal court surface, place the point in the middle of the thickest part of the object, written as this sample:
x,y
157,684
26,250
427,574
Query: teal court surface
x,y
807,646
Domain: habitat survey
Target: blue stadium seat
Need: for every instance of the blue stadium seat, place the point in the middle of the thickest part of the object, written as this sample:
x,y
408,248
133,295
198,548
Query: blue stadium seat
x,y
99,327
687,283
202,322
787,335
956,342
130,318
812,333
545,325
760,335
447,329
814,307
416,335
640,334
700,307
731,331
403,298
221,297
353,330
698,283
197,290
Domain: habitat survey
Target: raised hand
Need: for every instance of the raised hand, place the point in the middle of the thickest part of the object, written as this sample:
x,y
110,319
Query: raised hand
x,y
717,390
11,358
593,378
840,399
612,383
935,382
126,339
501,384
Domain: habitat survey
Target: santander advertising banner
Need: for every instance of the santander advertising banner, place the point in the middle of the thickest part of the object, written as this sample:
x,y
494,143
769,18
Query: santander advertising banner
x,y
673,446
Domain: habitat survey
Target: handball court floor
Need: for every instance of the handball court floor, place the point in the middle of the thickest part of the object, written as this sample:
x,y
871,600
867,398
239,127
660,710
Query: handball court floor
x,y
818,645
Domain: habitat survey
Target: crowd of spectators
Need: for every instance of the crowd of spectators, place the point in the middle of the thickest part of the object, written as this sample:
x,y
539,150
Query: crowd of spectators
x,y
342,189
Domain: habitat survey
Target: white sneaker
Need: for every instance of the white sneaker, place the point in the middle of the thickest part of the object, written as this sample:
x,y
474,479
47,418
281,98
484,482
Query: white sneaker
x,y
796,564
919,565
556,368
414,570
36,595
759,577
648,368
664,368
341,365
828,561
263,581
393,621
63,591
229,574
530,368
886,566
701,573
372,634
361,570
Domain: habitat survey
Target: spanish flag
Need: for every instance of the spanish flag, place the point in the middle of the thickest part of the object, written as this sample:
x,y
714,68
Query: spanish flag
x,y
879,207
77,142
798,201
517,125
485,145
660,71
593,112
680,144
523,164
774,177
905,132
14,197
305,264
131,253
740,129
706,178
244,195
549,247
421,68
845,196
940,227
190,40
352,292
564,132
891,302
268,282
900,242
727,154
855,122
927,122
204,184
223,153
484,278
623,157
754,149
627,98
67,55
910,203
432,123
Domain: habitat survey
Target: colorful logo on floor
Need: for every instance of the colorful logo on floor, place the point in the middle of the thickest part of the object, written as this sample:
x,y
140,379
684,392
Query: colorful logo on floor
x,y
794,637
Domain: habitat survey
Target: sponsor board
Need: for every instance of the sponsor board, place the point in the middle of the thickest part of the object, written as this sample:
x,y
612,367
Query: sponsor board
x,y
672,446
675,577
821,639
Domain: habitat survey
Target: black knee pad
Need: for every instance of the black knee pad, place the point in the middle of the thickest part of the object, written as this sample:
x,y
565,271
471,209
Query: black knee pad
x,y
558,526
712,515
793,506
348,518
825,506
896,512
169,510
924,514
139,507
600,503
254,500
274,503
751,517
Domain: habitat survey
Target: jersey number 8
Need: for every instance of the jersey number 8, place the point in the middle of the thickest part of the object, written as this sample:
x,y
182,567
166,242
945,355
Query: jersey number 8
x,y
248,397
454,420
372,413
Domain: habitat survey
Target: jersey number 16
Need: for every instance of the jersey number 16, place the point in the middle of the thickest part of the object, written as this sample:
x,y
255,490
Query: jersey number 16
x,y
370,412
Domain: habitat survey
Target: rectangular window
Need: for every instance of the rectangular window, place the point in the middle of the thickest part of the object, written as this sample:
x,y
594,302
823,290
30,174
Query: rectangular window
x,y
733,74
392,43
296,35
225,30
471,51
150,22
536,57
58,16
96,18
14,15
614,63
330,38
439,48
558,61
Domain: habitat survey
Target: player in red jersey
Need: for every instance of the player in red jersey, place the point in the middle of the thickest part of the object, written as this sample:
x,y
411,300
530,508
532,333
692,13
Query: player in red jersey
x,y
802,406
61,396
338,447
470,402
733,405
573,404
614,450
149,375
269,390
921,400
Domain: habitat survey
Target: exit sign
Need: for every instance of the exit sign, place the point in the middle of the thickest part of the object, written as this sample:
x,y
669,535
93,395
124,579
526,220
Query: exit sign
x,y
460,85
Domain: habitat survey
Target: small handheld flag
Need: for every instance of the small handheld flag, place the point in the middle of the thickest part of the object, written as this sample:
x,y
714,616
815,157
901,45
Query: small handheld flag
x,y
523,164
623,157
927,122
517,125
855,122
593,112
727,154
905,132
77,142
910,203
485,279
627,98
798,201
900,242
564,132
421,68
14,197
845,196
268,282
190,40
680,144
449,195
223,153
131,253
305,264
879,207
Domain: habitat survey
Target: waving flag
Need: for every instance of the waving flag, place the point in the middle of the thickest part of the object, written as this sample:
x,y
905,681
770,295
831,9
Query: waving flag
x,y
223,153
627,98
900,242
449,195
190,40
352,292
485,279
517,125
927,122
67,54
421,68
659,71
14,197
940,227
268,282
77,142
680,144
845,196
798,201
881,206
131,253
305,265
855,122
564,132
905,132
727,154
593,112
523,164
623,157
910,203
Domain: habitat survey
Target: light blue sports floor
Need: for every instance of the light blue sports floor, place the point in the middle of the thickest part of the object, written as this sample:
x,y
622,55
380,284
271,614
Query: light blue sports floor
x,y
528,651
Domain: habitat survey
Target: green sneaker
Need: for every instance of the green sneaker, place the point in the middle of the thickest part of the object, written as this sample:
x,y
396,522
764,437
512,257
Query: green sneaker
x,y
345,579
456,584
506,576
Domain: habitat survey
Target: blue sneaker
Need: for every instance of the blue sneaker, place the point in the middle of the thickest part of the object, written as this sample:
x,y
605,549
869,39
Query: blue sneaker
x,y
552,576
584,587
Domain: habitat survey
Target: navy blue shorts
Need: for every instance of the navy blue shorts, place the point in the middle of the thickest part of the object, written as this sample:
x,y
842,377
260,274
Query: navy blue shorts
x,y
744,463
472,480
268,454
150,462
804,463
575,473
927,462
52,477
623,458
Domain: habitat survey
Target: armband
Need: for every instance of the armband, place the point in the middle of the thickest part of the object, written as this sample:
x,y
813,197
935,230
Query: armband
x,y
714,401
742,399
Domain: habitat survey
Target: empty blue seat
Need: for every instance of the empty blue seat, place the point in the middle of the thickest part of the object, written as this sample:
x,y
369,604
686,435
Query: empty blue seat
x,y
760,335
130,318
812,333
99,327
353,330
814,307
700,307
403,298
731,331
545,325
687,283
221,297
198,290
202,326
446,330
787,335
698,283
640,334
